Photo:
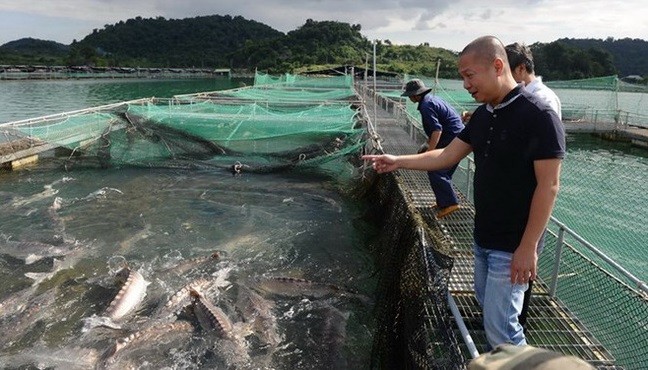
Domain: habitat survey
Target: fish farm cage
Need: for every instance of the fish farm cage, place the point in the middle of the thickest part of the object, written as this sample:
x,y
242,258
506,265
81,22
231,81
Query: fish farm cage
x,y
426,314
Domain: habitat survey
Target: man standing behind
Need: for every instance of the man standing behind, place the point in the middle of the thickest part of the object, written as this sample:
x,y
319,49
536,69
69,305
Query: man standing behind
x,y
521,61
518,143
441,124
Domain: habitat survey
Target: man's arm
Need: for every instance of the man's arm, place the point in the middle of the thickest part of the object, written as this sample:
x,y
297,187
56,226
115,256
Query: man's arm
x,y
433,140
427,161
525,258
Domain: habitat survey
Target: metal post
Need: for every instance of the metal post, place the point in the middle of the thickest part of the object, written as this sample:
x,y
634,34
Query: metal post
x,y
470,343
554,276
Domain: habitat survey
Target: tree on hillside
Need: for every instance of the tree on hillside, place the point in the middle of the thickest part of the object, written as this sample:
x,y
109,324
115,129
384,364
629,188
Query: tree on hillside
x,y
560,61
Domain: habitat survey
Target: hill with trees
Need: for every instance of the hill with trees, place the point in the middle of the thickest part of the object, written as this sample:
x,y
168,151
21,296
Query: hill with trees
x,y
235,42
33,51
630,55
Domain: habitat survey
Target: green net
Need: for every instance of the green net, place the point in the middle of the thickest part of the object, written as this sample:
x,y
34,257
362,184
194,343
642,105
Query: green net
x,y
290,95
290,80
602,100
244,130
596,83
284,90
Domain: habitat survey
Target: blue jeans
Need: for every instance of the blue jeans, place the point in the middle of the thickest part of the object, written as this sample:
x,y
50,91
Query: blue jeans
x,y
500,300
441,183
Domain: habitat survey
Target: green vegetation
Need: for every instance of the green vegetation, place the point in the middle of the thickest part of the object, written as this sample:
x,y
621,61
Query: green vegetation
x,y
235,42
561,61
30,51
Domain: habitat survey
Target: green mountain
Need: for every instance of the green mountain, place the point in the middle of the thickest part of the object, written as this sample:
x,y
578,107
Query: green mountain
x,y
33,51
235,42
158,42
630,55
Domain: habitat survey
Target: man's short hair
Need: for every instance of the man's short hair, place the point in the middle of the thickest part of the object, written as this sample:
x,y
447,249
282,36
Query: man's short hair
x,y
520,54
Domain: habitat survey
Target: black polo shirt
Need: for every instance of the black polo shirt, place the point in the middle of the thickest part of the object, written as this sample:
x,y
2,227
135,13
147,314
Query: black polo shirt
x,y
506,140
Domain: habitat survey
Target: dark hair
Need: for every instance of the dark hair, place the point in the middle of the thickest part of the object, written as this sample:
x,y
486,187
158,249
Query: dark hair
x,y
519,54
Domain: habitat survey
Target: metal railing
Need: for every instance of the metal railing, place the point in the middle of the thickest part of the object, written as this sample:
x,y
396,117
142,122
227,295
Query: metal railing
x,y
627,295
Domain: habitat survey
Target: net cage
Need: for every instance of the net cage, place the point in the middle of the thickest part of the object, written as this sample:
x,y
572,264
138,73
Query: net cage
x,y
285,90
414,330
414,327
253,130
605,101
602,100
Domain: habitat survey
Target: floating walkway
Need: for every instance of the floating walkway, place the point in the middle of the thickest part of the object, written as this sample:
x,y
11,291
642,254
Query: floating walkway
x,y
550,324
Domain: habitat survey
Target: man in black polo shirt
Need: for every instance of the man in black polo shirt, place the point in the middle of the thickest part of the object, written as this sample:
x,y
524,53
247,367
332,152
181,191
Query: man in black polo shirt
x,y
518,142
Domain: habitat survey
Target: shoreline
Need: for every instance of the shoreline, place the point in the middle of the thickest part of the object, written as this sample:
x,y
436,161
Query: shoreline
x,y
14,73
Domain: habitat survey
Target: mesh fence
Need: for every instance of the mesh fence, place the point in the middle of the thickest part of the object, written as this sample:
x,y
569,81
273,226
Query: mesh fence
x,y
290,80
613,311
414,330
610,311
602,100
597,101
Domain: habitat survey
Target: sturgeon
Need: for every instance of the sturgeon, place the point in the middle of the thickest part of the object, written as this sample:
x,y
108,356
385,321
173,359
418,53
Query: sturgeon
x,y
231,346
14,326
296,287
192,263
31,251
333,338
180,299
40,357
68,262
129,296
149,336
210,317
129,242
258,311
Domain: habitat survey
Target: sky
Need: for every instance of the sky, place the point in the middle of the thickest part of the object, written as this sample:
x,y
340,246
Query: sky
x,y
449,24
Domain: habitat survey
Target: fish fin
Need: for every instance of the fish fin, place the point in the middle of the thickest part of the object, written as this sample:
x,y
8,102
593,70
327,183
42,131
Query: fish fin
x,y
32,258
39,277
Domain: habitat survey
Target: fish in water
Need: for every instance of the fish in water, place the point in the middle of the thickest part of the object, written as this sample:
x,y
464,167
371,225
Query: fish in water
x,y
48,192
67,262
150,336
128,243
296,287
40,357
333,338
180,299
15,302
32,313
231,344
33,251
210,317
193,263
258,311
129,296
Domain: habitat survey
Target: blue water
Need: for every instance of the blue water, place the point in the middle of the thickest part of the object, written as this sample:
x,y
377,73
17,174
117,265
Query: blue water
x,y
34,98
285,224
603,193
604,198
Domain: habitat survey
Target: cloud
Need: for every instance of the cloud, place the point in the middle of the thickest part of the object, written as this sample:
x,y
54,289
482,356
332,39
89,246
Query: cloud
x,y
443,23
